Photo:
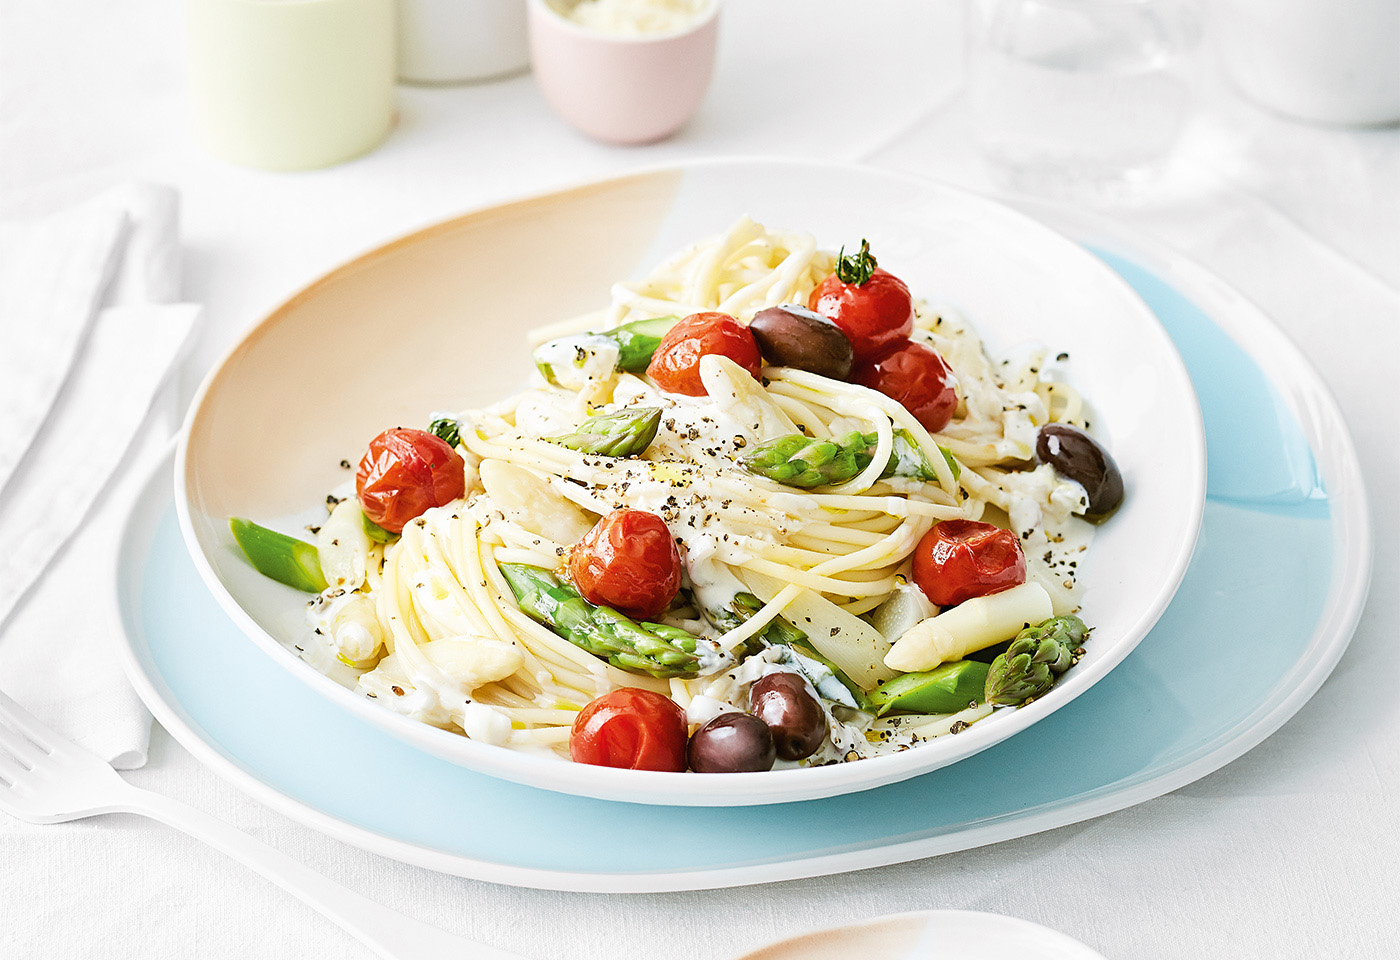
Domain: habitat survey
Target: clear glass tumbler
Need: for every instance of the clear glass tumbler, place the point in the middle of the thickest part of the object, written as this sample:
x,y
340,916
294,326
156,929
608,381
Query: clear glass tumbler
x,y
1079,98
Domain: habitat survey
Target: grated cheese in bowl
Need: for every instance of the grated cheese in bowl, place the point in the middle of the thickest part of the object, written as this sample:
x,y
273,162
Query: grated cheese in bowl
x,y
634,17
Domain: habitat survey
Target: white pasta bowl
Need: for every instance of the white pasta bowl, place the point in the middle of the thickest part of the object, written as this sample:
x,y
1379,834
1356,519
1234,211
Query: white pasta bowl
x,y
437,320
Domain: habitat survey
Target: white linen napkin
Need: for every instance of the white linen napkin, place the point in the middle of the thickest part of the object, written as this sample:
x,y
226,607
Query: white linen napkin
x,y
47,304
99,323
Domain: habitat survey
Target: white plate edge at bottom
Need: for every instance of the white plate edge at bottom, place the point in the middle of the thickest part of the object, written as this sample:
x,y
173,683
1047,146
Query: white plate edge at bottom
x,y
987,929
1321,423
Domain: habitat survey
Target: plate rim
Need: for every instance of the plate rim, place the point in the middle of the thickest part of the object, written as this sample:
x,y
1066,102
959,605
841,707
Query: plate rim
x,y
990,924
736,789
1352,537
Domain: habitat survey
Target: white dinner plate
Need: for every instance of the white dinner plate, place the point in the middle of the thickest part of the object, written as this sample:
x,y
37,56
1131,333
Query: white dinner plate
x,y
1265,611
437,320
932,935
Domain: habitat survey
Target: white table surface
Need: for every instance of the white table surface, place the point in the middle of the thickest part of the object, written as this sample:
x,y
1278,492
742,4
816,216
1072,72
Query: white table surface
x,y
1290,851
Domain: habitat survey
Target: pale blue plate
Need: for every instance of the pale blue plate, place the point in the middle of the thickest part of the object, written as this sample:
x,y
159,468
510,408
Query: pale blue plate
x,y
1265,610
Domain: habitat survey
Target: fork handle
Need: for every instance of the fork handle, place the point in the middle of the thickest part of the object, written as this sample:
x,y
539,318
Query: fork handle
x,y
387,932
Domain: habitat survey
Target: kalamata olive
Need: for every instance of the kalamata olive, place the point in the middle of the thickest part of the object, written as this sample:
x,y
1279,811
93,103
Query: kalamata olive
x,y
793,715
731,743
793,336
1079,457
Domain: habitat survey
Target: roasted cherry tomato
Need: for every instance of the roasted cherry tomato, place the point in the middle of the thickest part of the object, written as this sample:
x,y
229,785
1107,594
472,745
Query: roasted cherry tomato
x,y
872,306
406,472
914,374
629,562
961,559
631,728
675,366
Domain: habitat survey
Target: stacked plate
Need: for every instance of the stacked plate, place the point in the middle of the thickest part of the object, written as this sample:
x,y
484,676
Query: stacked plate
x,y
1238,640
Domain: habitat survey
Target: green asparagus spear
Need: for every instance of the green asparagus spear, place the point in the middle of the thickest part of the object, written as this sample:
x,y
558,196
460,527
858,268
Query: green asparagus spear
x,y
636,342
644,648
804,649
745,605
1037,656
907,458
798,461
625,433
681,638
278,556
447,430
947,688
377,533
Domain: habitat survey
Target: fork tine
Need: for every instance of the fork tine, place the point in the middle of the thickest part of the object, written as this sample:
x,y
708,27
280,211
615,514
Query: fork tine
x,y
10,770
16,717
17,745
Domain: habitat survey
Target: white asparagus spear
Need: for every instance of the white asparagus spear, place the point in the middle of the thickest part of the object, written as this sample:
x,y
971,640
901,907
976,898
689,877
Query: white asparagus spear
x,y
843,638
969,627
344,546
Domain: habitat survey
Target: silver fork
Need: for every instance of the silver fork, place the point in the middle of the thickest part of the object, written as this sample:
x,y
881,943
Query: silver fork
x,y
47,779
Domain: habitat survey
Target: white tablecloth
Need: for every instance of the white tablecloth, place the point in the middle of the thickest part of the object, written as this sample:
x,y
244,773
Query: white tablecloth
x,y
1290,851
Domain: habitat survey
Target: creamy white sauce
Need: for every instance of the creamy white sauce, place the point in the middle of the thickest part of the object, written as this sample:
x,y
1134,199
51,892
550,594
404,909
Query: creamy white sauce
x,y
576,362
827,685
485,723
703,709
1022,415
1043,513
692,480
542,415
694,428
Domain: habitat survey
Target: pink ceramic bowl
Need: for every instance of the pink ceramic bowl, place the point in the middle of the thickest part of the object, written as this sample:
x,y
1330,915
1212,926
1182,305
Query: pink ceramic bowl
x,y
620,88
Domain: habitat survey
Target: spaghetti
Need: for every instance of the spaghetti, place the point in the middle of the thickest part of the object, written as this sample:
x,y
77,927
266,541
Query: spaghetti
x,y
434,627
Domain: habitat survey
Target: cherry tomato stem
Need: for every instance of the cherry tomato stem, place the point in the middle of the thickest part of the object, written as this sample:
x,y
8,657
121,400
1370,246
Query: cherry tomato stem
x,y
872,306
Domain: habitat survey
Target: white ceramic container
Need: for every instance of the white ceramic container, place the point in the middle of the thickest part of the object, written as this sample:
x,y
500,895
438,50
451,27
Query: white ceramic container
x,y
461,41
1327,61
290,84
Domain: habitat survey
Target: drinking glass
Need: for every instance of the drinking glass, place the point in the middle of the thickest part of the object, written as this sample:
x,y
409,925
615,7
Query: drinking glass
x,y
1079,98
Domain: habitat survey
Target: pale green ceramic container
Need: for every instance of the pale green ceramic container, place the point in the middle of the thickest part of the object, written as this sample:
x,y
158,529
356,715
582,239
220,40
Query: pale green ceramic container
x,y
291,84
